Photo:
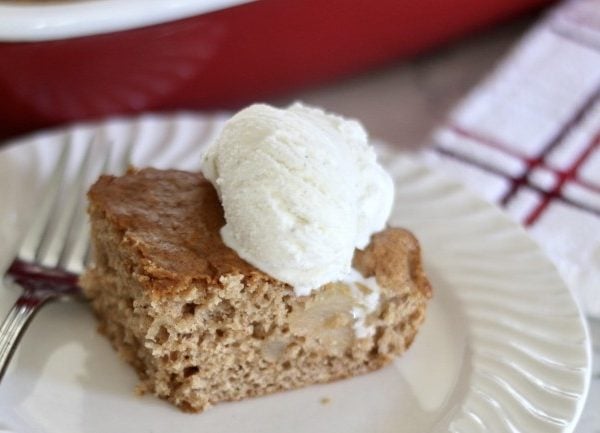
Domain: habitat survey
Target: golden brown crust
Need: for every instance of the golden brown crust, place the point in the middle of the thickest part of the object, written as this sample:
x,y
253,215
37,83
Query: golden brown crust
x,y
394,257
171,219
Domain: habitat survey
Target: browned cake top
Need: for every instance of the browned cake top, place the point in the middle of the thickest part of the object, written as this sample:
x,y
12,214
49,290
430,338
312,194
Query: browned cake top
x,y
171,219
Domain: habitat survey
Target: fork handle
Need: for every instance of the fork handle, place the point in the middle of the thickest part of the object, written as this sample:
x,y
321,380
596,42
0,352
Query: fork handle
x,y
14,325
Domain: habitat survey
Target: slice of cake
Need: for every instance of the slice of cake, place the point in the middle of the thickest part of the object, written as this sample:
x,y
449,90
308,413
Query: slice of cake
x,y
200,325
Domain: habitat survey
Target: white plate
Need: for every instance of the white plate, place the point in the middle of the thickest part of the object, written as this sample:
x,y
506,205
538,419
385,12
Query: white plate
x,y
503,348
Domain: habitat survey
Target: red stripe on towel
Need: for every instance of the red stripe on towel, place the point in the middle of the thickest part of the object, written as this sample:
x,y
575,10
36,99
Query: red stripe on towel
x,y
563,177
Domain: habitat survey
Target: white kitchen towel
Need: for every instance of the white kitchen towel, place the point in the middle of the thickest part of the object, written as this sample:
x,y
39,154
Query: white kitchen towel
x,y
528,138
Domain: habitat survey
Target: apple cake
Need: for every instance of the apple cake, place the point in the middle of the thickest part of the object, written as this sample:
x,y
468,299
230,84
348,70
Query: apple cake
x,y
200,325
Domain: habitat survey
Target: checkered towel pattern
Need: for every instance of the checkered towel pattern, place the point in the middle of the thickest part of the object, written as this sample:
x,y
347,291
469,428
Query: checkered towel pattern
x,y
528,138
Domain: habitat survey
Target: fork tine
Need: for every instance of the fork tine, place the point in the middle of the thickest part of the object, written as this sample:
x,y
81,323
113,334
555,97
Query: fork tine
x,y
121,168
75,259
34,235
52,247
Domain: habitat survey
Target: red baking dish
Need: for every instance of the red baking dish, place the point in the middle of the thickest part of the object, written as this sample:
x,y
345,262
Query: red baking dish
x,y
90,58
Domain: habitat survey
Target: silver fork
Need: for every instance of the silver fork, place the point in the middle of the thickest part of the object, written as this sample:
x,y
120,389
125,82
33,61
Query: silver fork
x,y
54,250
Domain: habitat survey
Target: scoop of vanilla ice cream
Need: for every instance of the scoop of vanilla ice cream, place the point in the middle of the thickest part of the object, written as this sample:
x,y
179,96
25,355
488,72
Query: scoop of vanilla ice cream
x,y
301,189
